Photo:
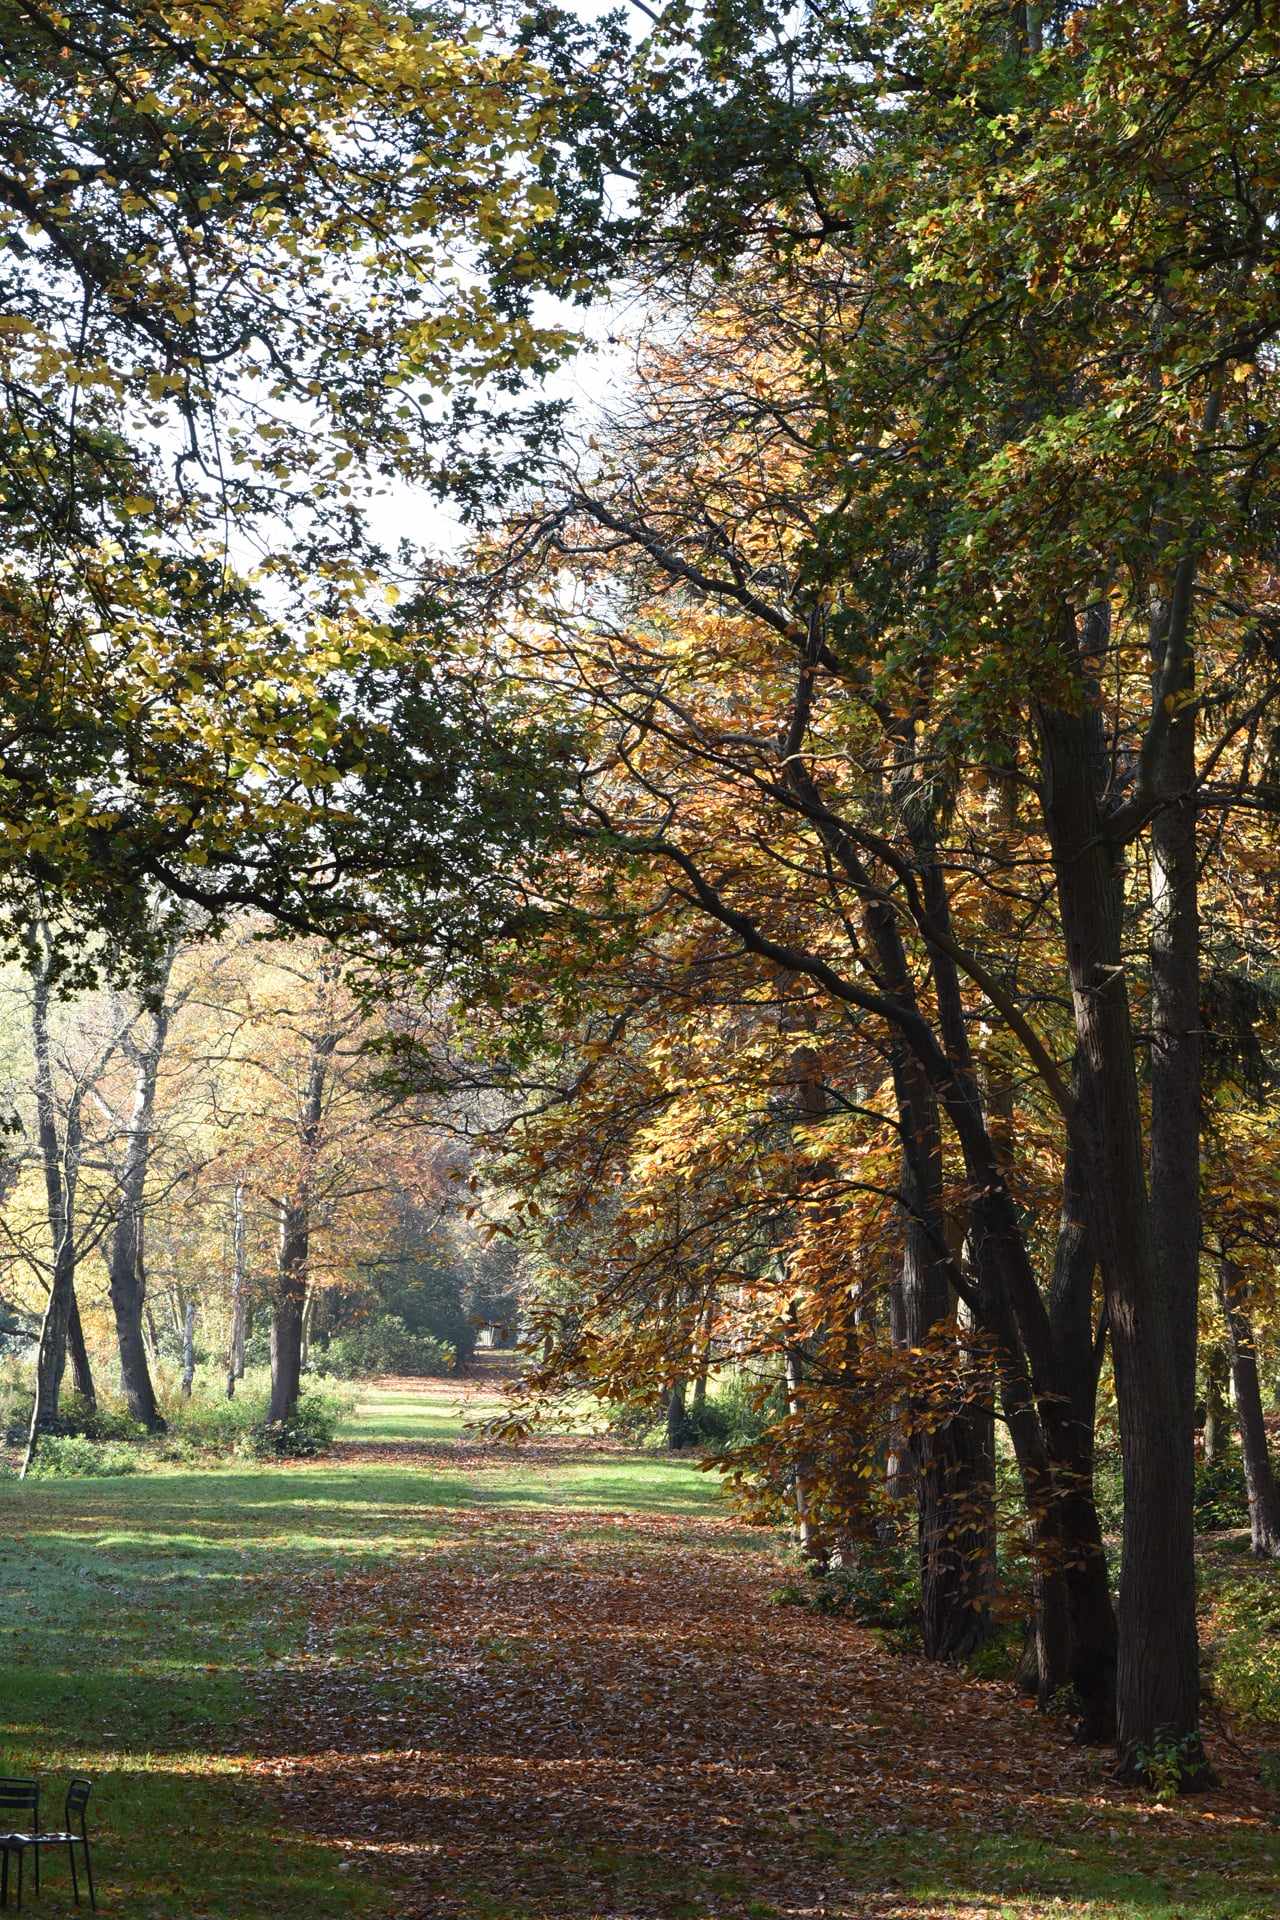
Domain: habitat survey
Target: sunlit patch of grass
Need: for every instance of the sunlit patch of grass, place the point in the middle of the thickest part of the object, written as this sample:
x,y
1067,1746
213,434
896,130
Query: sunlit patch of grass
x,y
1083,1873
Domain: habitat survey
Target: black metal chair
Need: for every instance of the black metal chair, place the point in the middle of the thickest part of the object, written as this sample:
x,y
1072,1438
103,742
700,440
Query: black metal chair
x,y
16,1797
26,1794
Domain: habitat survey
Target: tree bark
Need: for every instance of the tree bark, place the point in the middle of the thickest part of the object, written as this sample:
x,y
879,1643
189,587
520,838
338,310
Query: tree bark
x,y
1158,1668
1259,1474
1077,1348
235,1357
124,1257
677,1426
287,1309
78,1354
295,1242
188,1349
308,1312
59,1182
1217,1414
1175,1034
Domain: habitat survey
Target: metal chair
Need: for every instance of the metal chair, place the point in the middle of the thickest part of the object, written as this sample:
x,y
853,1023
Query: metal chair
x,y
25,1793
16,1796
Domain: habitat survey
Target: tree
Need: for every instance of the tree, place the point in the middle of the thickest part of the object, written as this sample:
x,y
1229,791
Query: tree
x,y
1032,421
248,253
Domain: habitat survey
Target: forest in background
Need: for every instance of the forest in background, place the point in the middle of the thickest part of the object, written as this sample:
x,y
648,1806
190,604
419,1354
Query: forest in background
x,y
809,857
187,1154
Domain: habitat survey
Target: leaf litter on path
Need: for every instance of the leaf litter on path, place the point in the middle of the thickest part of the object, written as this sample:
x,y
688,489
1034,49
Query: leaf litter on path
x,y
599,1714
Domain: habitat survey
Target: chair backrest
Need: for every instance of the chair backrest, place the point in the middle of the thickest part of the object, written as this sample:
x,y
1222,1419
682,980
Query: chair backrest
x,y
20,1796
77,1800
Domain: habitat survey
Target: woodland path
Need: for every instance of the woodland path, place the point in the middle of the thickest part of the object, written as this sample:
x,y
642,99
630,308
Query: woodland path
x,y
585,1700
428,1678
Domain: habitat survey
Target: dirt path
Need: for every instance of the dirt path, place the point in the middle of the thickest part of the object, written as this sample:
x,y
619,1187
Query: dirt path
x,y
572,1710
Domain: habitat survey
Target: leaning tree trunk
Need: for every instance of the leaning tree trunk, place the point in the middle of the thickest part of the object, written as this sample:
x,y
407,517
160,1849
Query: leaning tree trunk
x,y
78,1354
1259,1474
954,1523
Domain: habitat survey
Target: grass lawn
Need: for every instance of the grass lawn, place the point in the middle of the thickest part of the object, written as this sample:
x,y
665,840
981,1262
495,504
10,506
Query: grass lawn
x,y
430,1677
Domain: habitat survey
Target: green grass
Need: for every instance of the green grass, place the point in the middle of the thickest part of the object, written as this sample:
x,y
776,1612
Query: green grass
x,y
151,1627
1096,1874
146,1620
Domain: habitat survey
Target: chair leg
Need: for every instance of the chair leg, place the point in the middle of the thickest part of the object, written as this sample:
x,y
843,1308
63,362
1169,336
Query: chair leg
x,y
36,1852
75,1883
88,1868
21,1863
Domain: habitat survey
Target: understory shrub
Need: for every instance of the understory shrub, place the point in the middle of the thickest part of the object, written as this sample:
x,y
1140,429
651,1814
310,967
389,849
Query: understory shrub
x,y
636,1423
1221,1498
1243,1643
308,1431
109,1420
732,1415
1108,1483
209,1423
384,1345
76,1456
738,1412
877,1584
16,1394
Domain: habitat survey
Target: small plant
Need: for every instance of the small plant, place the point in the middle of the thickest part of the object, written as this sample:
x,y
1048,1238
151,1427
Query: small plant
x,y
1168,1764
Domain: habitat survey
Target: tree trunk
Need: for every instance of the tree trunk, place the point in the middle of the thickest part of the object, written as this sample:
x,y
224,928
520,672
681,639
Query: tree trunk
x,y
235,1357
702,1358
1158,1669
295,1243
1175,1035
51,1353
128,1300
676,1422
308,1311
124,1258
59,1181
1259,1474
148,1318
188,1349
78,1354
287,1310
1217,1414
